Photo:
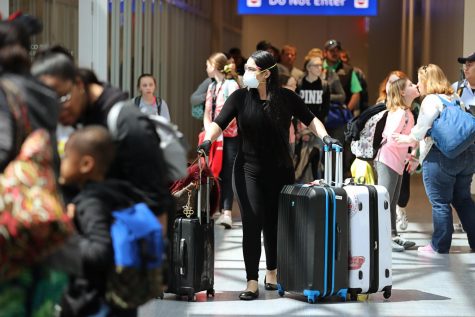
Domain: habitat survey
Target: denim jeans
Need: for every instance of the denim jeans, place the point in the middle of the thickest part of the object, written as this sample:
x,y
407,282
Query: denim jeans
x,y
447,182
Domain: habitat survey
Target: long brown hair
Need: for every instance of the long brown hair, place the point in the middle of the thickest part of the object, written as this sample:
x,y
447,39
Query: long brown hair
x,y
382,86
395,98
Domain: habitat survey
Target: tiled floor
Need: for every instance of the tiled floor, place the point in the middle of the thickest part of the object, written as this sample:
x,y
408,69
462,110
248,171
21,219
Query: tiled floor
x,y
441,285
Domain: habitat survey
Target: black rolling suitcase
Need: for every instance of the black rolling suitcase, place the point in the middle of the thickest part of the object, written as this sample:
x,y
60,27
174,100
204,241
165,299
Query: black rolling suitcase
x,y
192,251
312,243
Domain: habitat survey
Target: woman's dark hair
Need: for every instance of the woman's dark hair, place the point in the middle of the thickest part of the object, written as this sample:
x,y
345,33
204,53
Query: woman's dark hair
x,y
13,34
14,59
55,61
265,61
88,77
14,45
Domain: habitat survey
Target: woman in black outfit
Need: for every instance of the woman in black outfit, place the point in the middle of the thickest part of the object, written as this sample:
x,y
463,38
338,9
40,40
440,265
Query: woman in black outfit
x,y
263,164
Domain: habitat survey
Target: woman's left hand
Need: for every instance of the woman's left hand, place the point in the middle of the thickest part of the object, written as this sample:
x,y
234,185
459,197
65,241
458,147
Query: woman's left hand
x,y
402,138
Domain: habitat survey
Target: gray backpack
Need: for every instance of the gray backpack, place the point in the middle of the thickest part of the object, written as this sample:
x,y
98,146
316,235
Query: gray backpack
x,y
172,141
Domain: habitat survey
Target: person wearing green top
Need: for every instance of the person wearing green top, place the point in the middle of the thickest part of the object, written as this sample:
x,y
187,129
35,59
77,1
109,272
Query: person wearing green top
x,y
348,77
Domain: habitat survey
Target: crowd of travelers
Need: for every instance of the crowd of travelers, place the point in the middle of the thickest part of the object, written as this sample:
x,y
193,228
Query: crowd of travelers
x,y
272,120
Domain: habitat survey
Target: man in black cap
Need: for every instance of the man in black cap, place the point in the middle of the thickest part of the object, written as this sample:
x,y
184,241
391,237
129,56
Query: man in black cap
x,y
465,87
337,118
348,78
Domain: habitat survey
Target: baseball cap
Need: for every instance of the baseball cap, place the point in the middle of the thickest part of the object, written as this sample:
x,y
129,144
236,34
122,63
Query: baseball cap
x,y
331,44
469,58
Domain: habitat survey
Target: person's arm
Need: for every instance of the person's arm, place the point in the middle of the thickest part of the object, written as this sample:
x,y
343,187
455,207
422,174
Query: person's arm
x,y
338,94
95,243
355,91
208,108
227,114
164,111
429,111
325,99
199,95
6,139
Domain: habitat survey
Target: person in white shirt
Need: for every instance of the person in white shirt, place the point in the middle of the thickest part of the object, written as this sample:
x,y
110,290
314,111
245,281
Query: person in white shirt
x,y
466,88
447,181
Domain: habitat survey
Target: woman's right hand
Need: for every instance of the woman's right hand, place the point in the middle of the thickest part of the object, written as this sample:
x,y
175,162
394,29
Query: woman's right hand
x,y
328,140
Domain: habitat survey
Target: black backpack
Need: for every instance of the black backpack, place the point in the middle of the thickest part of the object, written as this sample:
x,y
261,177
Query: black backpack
x,y
354,127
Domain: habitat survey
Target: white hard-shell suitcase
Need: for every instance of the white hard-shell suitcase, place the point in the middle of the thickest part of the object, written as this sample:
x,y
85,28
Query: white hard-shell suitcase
x,y
370,254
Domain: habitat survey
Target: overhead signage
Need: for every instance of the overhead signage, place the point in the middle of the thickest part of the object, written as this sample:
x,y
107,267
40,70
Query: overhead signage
x,y
308,7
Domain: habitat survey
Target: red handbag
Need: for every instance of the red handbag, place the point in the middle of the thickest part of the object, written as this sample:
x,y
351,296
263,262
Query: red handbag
x,y
215,153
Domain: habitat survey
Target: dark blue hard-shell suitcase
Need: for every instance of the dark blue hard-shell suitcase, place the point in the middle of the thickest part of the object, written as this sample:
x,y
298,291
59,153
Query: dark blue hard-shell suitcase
x,y
312,243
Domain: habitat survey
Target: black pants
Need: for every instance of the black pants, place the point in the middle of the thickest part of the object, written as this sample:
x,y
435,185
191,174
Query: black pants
x,y
405,189
230,149
257,187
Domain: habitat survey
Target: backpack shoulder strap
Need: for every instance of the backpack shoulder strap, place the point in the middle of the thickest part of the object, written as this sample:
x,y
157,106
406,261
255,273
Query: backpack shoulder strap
x,y
158,100
446,102
137,101
460,88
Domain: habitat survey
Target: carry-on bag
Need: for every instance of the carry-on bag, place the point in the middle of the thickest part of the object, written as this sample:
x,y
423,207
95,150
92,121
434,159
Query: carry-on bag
x,y
192,251
370,240
312,242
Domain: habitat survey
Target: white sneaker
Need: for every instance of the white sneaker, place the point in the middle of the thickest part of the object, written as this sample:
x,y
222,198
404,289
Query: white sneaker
x,y
401,218
225,220
216,216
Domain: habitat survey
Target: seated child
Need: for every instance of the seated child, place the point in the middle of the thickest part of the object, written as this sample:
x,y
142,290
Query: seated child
x,y
87,156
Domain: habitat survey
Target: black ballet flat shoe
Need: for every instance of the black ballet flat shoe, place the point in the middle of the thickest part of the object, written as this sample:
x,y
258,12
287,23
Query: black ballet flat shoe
x,y
270,286
249,295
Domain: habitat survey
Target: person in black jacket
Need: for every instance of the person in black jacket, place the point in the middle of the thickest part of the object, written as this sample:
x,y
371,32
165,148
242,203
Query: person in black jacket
x,y
263,164
85,100
88,255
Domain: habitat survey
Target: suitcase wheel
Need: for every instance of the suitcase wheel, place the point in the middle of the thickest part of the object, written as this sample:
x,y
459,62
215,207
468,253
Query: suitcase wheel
x,y
387,292
342,293
280,290
352,296
312,296
191,298
210,292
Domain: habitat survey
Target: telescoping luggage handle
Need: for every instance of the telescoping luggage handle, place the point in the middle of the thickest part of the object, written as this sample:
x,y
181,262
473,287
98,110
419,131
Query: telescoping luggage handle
x,y
200,167
329,168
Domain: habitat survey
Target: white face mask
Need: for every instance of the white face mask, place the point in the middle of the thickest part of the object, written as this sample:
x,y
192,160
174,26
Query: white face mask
x,y
250,80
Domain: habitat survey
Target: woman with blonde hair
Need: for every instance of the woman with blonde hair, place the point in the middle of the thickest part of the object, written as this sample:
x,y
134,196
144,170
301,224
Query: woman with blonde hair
x,y
446,180
391,158
225,82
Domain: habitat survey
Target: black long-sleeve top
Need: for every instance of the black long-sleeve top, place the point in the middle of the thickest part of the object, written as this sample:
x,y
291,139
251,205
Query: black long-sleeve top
x,y
264,128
